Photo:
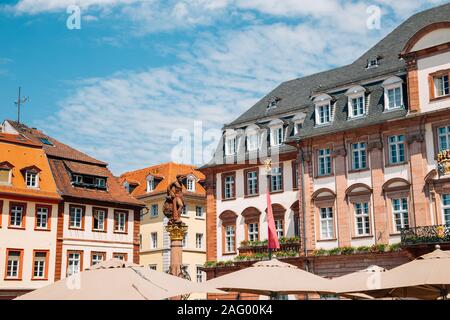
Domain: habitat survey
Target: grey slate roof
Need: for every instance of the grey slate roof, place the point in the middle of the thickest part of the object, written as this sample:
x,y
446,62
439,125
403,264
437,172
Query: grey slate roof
x,y
295,94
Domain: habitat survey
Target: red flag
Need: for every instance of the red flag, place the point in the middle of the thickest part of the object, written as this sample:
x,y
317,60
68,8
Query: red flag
x,y
273,237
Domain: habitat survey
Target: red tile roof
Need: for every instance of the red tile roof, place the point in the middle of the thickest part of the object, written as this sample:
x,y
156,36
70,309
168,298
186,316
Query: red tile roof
x,y
64,159
18,139
58,150
167,172
114,193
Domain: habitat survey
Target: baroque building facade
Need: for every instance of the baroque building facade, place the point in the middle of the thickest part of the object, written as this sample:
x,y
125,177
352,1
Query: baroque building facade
x,y
359,154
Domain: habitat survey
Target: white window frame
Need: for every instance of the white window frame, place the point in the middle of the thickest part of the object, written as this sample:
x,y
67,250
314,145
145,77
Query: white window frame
x,y
397,143
184,211
252,141
96,258
199,211
230,239
190,184
359,151
229,187
446,136
77,178
319,108
121,224
9,177
42,212
101,222
17,213
252,183
276,179
73,263
393,83
199,240
253,231
154,210
100,182
326,223
77,221
154,240
446,209
32,179
402,213
437,90
13,265
279,228
39,265
327,162
199,275
230,144
276,136
362,219
150,183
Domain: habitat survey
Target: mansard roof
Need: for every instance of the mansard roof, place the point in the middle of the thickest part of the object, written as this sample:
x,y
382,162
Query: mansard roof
x,y
296,94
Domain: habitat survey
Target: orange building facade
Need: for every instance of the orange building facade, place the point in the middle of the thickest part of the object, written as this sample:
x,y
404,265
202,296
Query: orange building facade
x,y
61,211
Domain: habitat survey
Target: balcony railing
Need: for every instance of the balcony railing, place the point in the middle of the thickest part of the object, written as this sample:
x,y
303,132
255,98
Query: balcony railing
x,y
426,235
286,244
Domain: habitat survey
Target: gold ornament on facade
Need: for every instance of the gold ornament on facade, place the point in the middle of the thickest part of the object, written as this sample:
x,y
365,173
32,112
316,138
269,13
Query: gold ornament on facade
x,y
177,231
443,161
268,166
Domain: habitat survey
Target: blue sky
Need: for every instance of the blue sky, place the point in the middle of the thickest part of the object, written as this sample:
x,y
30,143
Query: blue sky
x,y
140,73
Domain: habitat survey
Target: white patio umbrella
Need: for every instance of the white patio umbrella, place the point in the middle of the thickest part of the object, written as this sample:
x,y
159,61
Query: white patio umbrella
x,y
113,280
271,278
427,277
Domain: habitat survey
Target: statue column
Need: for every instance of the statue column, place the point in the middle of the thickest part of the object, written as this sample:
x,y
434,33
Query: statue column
x,y
176,231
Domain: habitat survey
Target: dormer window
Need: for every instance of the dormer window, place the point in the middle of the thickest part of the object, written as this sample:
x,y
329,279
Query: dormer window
x,y
393,93
100,182
323,109
230,144
252,136
77,178
31,176
5,172
356,102
277,136
273,103
373,62
323,113
150,183
298,122
190,184
31,179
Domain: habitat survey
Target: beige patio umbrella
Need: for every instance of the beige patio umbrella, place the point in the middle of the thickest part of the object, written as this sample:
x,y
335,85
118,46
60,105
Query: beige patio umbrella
x,y
271,278
112,280
427,277
360,279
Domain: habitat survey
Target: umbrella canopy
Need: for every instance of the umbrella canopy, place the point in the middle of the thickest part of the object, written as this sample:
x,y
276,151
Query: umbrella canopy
x,y
110,281
271,278
362,280
427,277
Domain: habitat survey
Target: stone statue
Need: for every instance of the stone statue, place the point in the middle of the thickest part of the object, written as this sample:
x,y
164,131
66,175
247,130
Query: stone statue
x,y
174,200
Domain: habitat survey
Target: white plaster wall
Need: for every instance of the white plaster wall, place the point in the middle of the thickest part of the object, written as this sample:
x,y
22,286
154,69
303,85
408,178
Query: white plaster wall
x,y
425,67
88,234
286,199
325,182
432,39
360,177
28,240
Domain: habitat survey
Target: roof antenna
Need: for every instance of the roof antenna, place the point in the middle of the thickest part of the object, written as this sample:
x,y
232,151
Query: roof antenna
x,y
18,103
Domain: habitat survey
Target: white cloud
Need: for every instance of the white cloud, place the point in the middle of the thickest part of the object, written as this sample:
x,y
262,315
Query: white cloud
x,y
128,118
